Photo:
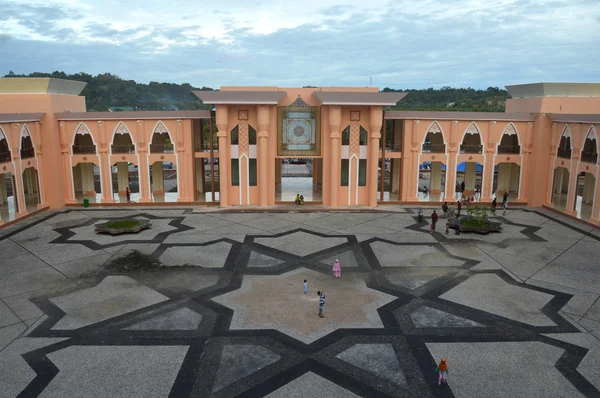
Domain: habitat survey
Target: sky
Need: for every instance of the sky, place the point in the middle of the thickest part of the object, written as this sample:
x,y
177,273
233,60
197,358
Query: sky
x,y
397,44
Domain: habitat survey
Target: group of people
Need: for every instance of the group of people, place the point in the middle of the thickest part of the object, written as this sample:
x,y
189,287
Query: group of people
x,y
299,199
337,273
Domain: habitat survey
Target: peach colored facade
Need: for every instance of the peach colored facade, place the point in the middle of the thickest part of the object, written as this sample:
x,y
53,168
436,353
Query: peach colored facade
x,y
55,154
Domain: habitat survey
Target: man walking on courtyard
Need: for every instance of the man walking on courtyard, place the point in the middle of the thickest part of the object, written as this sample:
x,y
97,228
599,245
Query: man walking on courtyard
x,y
434,220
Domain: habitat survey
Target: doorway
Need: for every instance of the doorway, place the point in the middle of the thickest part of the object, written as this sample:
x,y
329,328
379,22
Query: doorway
x,y
302,176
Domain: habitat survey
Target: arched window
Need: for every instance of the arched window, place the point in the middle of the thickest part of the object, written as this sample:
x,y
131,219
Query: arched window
x,y
251,136
235,136
346,136
364,136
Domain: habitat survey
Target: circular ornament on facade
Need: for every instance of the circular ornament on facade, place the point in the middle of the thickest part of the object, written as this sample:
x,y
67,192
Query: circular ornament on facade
x,y
433,157
508,158
85,158
162,157
299,131
562,162
123,158
29,163
4,168
470,157
587,167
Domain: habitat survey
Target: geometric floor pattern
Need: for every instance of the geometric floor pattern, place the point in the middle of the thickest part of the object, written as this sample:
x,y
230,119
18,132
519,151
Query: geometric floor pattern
x,y
211,304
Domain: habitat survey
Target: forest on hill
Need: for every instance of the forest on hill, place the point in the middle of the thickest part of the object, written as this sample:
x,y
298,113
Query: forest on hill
x,y
108,90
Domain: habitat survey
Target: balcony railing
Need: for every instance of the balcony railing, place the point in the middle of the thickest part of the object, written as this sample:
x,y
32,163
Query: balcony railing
x,y
589,157
393,148
161,148
27,153
434,148
471,148
511,149
4,157
564,153
83,149
123,148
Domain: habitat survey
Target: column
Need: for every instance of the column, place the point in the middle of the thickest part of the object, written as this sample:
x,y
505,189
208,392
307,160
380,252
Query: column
x,y
158,186
451,164
573,180
105,166
87,180
373,156
515,175
77,178
395,177
222,121
335,120
263,116
66,161
588,188
122,180
470,176
487,181
436,177
524,172
200,192
143,167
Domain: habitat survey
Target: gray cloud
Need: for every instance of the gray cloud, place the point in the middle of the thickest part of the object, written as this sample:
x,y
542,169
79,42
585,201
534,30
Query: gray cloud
x,y
402,47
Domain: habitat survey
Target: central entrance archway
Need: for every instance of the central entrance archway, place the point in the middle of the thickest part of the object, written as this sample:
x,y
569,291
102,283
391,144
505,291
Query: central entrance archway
x,y
302,176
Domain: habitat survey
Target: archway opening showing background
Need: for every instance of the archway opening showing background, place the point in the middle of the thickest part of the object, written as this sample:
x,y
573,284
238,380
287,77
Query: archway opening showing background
x,y
471,173
8,203
123,175
584,199
560,188
506,179
388,178
432,181
86,182
302,176
31,188
163,180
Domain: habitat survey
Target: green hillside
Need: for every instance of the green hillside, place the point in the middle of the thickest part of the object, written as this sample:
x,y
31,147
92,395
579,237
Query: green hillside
x,y
107,90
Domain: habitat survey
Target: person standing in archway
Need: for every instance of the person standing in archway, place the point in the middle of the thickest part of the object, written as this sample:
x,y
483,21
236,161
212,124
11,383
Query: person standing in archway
x,y
128,194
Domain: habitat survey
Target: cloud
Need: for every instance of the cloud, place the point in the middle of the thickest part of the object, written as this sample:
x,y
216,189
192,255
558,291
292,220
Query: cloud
x,y
401,44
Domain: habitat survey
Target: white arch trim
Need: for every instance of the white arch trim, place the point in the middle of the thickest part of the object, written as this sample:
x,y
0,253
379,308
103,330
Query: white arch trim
x,y
160,128
83,129
472,129
25,133
592,135
121,129
3,136
510,129
435,128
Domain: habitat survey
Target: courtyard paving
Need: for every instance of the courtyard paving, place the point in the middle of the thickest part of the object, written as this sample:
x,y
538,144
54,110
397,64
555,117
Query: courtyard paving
x,y
210,304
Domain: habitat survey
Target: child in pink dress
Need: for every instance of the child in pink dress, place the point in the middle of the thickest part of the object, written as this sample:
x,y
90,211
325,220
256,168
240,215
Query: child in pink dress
x,y
337,270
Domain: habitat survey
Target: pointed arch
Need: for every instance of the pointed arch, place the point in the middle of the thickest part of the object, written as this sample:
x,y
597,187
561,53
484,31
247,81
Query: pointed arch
x,y
566,133
121,129
591,134
3,136
434,128
510,129
473,128
25,131
83,129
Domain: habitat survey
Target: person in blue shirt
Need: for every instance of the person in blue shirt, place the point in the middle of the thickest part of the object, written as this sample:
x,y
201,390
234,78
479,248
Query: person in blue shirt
x,y
321,303
305,286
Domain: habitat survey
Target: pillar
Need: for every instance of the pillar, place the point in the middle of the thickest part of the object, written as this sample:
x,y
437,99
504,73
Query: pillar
x,y
278,167
376,119
87,180
451,164
263,116
77,178
395,177
470,177
515,175
158,186
487,180
525,175
435,186
595,218
335,121
66,164
105,166
589,185
573,175
122,179
143,166
221,119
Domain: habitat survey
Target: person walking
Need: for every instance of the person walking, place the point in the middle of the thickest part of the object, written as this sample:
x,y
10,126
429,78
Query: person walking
x,y
305,287
462,187
477,192
434,220
504,198
337,270
321,303
504,207
458,208
128,194
420,214
457,229
442,370
445,209
494,204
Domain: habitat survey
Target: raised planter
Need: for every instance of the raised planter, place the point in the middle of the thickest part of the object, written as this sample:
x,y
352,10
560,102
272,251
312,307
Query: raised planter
x,y
126,226
469,225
